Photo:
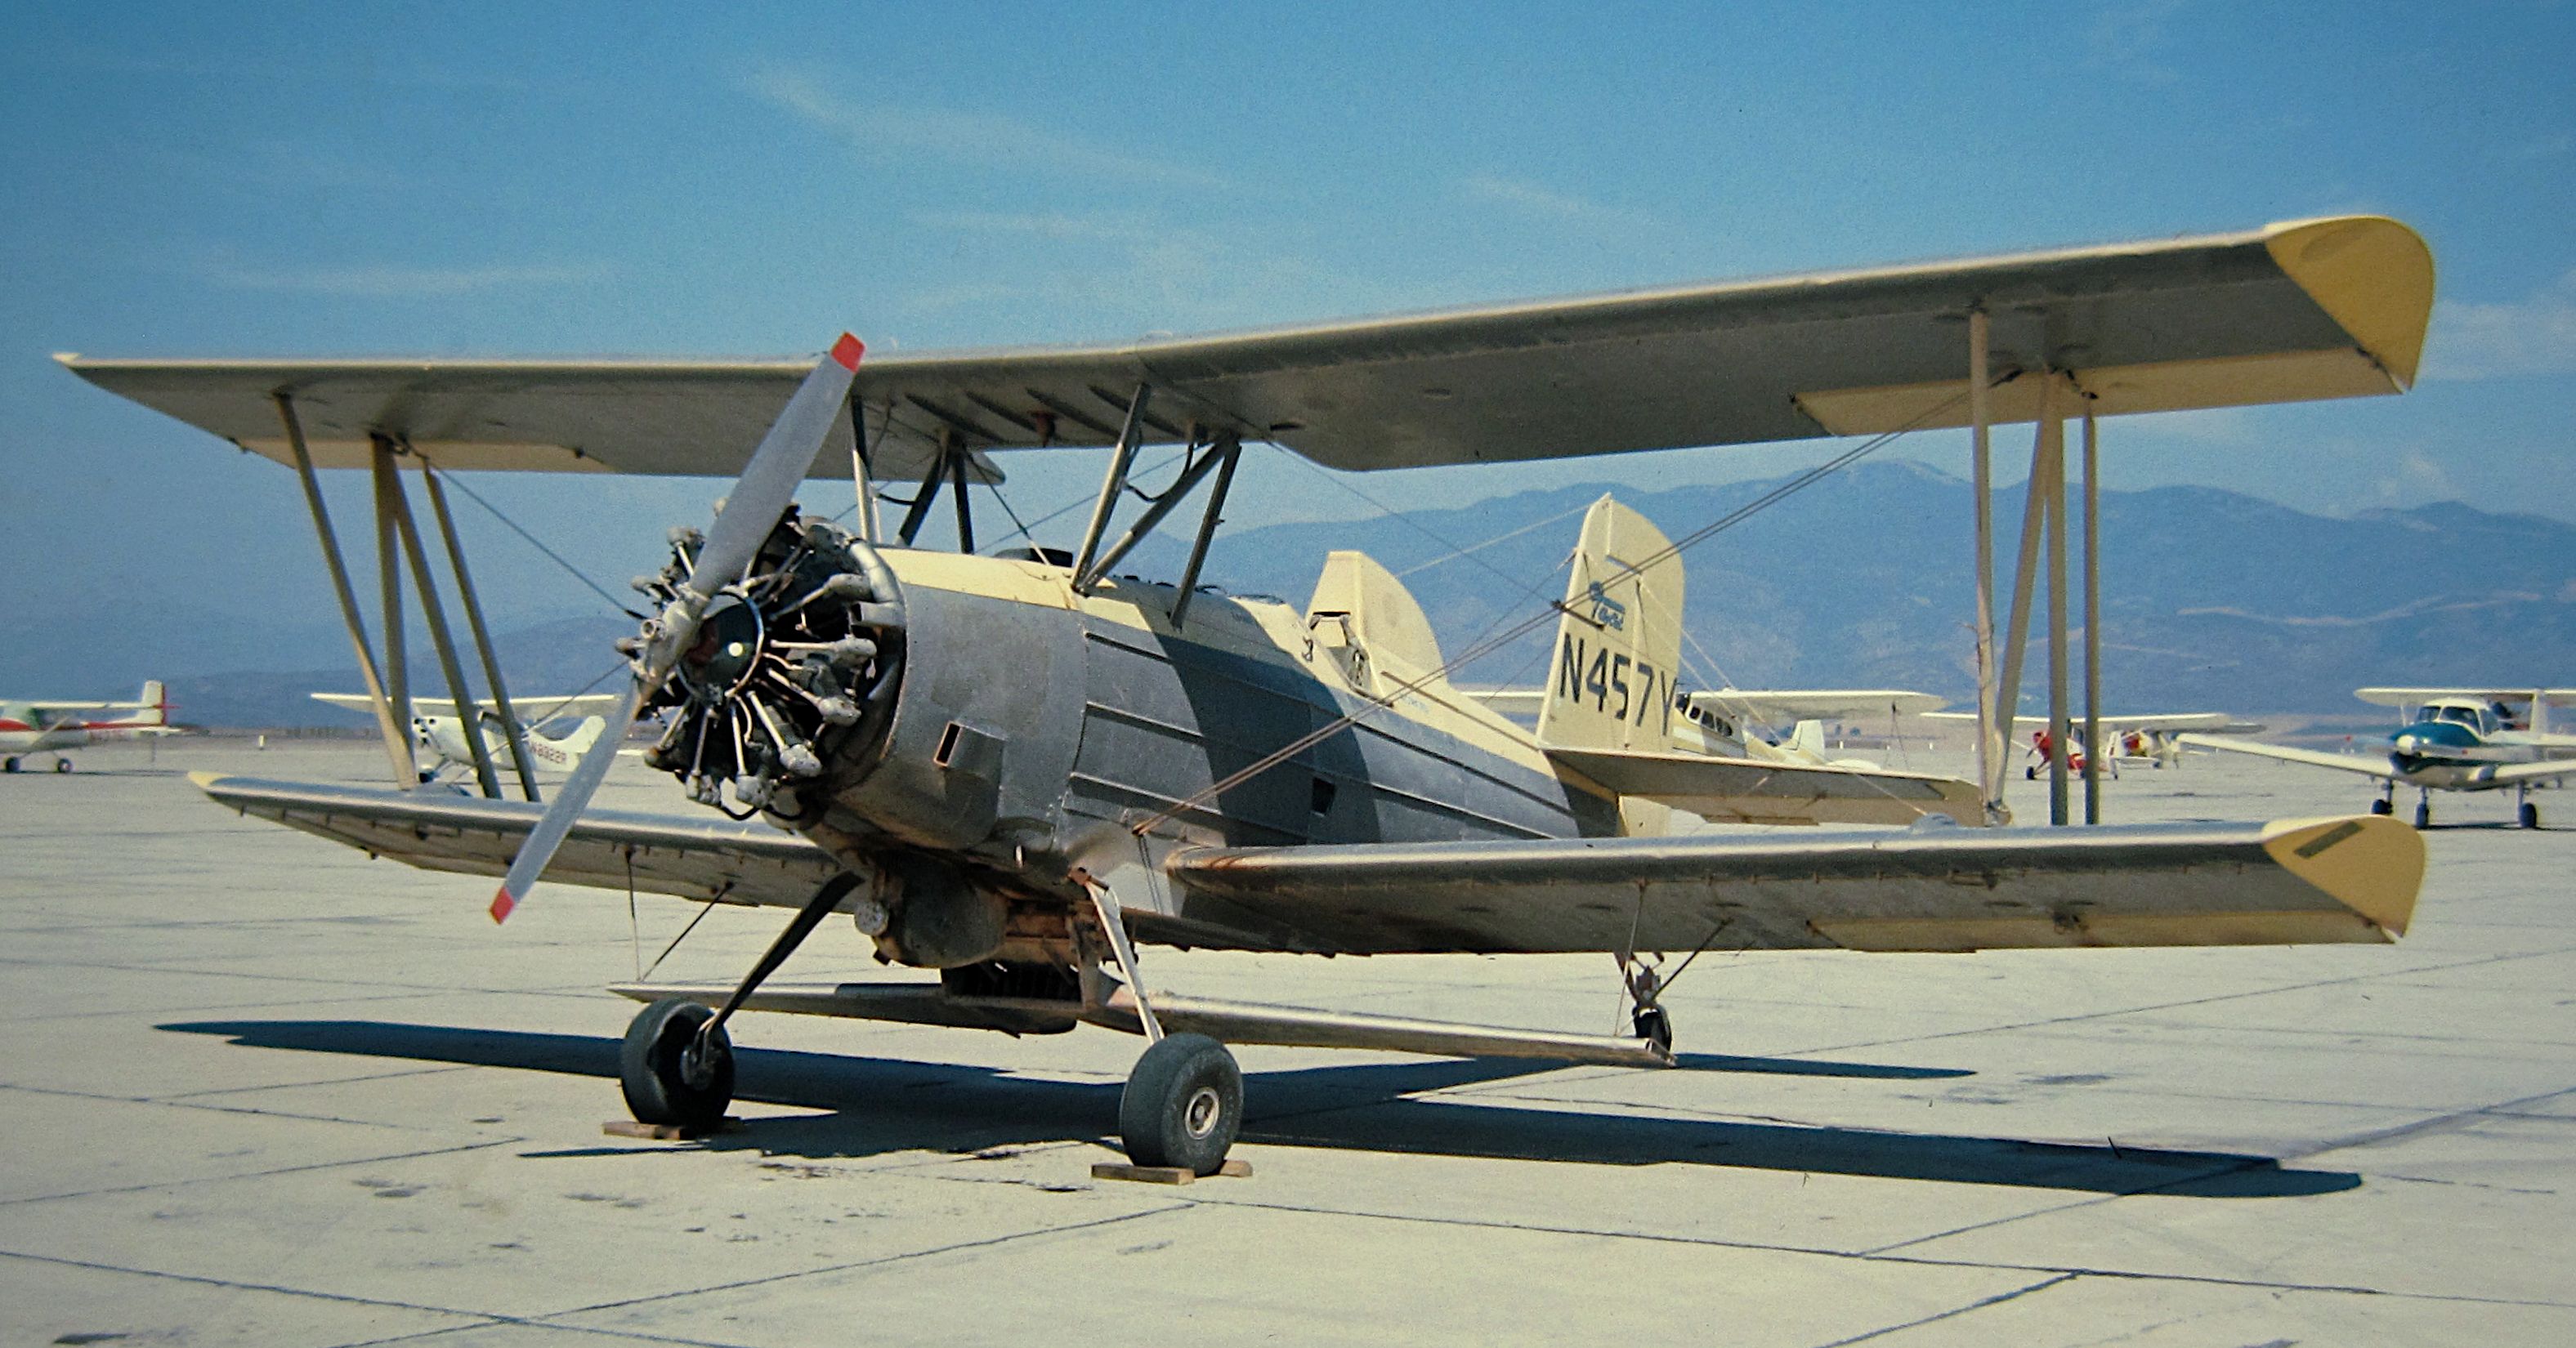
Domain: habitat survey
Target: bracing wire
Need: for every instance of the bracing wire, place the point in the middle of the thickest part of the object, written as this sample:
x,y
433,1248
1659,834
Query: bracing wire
x,y
1499,640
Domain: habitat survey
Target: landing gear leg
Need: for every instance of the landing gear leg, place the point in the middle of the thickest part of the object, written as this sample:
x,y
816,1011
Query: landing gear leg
x,y
1648,1018
1183,1104
677,1063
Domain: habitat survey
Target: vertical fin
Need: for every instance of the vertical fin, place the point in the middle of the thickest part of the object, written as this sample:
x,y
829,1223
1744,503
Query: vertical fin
x,y
1618,644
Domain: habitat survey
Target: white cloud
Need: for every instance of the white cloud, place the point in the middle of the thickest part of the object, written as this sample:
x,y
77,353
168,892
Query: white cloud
x,y
1530,199
2493,341
2417,480
393,280
988,139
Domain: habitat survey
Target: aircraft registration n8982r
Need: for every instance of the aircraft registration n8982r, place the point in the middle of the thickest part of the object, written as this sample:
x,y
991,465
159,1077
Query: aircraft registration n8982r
x,y
1012,768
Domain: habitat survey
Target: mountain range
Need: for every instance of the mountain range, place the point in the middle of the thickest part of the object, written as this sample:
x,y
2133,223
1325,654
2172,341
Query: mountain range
x,y
2212,600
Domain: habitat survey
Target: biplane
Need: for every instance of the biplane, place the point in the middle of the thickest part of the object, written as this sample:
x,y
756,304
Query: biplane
x,y
2451,739
1015,768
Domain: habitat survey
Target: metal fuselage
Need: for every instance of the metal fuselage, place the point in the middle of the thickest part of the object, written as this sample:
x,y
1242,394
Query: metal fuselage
x,y
444,737
1035,727
2451,744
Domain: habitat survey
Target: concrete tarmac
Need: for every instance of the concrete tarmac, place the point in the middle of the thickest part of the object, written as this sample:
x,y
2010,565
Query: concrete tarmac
x,y
260,1089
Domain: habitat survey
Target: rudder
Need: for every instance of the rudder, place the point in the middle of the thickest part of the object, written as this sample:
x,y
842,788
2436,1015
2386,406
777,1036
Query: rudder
x,y
1618,643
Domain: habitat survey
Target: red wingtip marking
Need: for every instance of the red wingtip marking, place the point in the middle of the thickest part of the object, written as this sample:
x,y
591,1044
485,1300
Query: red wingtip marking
x,y
502,903
848,350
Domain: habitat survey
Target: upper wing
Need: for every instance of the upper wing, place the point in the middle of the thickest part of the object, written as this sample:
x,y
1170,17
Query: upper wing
x,y
1770,705
2312,309
2364,764
473,836
2168,720
2416,697
1935,889
1750,791
531,709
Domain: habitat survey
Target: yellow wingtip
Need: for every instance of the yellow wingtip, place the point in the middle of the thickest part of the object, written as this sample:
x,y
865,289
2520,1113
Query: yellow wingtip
x,y
2369,863
2371,274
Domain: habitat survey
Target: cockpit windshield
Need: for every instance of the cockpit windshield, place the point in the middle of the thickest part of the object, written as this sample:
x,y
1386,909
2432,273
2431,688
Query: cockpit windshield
x,y
2475,718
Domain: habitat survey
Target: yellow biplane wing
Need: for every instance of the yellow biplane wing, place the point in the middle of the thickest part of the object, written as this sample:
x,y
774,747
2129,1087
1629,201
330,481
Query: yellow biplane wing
x,y
2312,309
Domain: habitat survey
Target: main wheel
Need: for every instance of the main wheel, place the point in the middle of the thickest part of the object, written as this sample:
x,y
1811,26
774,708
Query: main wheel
x,y
62,765
1652,1023
2030,774
2529,815
653,1066
12,766
2423,814
1183,1104
2383,807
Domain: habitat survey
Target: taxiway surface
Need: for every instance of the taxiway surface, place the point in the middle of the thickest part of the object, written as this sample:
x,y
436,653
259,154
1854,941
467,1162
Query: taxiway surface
x,y
260,1089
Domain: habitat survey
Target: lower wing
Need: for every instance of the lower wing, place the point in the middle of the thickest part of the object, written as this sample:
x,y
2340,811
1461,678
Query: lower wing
x,y
472,836
1936,889
2366,766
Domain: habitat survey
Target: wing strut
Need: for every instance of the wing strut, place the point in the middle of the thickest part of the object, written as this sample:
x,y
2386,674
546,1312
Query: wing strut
x,y
469,714
397,737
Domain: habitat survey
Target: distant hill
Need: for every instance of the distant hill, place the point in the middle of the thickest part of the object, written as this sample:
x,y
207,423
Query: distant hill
x,y
2212,599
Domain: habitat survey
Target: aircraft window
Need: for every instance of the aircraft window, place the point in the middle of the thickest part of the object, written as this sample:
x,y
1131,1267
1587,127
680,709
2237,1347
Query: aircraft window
x,y
1322,801
2457,716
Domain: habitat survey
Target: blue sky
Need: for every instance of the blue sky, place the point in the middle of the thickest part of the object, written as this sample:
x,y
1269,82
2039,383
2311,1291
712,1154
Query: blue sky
x,y
370,179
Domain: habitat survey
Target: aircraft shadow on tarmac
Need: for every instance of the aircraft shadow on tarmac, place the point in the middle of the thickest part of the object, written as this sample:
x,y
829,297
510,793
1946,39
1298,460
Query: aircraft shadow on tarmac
x,y
879,1105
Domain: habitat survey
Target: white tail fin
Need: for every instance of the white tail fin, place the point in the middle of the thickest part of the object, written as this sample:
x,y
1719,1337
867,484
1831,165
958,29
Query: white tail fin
x,y
153,705
583,736
1619,644
1808,737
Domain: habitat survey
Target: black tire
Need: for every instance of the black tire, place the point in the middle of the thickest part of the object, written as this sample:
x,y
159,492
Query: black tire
x,y
62,765
650,1071
2423,814
1652,1023
2528,815
2030,774
2382,807
12,766
1183,1104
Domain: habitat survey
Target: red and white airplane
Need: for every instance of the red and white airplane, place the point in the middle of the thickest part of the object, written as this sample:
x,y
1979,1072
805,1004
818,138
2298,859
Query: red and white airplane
x,y
52,727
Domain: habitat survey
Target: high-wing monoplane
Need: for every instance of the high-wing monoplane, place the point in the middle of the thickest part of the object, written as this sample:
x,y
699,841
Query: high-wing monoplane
x,y
439,731
2452,739
30,726
1013,768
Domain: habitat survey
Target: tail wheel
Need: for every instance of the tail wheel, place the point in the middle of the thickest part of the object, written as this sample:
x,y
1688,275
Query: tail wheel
x,y
1183,1104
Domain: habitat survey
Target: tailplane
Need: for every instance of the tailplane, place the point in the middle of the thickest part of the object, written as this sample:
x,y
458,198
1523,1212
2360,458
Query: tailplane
x,y
1618,645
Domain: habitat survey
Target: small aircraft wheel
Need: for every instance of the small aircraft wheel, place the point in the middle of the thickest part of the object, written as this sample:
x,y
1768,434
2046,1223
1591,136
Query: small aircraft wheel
x,y
2030,774
62,765
652,1066
1183,1104
1652,1023
12,767
2529,815
2423,814
2382,807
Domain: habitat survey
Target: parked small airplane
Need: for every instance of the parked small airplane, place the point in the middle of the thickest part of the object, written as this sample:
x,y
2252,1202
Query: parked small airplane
x,y
1009,768
2149,736
437,729
2453,739
1728,723
56,727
